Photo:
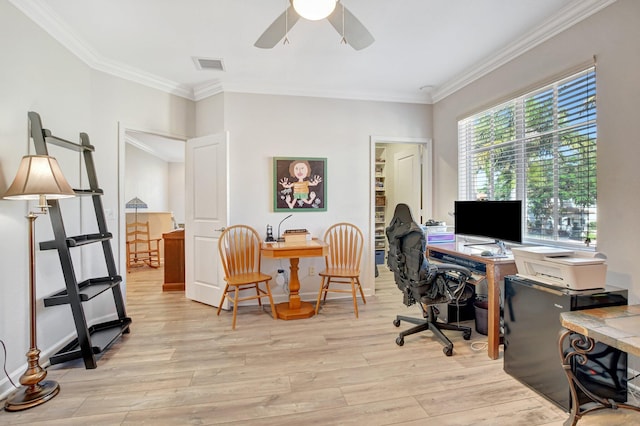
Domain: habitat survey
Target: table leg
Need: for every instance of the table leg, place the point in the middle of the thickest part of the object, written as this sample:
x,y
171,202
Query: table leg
x,y
294,308
579,348
493,314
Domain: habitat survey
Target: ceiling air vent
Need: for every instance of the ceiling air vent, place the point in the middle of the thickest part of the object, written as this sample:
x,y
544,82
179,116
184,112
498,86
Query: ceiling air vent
x,y
209,64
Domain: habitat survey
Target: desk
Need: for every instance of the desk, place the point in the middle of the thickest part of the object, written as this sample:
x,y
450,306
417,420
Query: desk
x,y
616,326
173,260
493,268
294,308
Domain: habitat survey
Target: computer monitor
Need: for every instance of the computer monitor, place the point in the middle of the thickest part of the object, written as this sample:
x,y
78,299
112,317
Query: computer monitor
x,y
497,220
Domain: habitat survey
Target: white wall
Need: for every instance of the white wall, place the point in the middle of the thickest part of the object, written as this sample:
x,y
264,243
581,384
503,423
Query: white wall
x,y
58,91
155,181
176,191
612,35
263,126
115,104
37,74
146,177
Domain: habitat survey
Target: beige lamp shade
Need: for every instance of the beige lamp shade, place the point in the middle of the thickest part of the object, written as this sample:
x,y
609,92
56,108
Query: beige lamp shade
x,y
39,175
314,10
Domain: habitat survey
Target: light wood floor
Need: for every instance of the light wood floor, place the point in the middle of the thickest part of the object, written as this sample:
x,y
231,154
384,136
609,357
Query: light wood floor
x,y
181,364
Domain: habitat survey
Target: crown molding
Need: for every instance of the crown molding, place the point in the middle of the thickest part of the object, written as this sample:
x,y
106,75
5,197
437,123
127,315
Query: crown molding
x,y
571,14
147,79
389,96
40,12
214,87
141,146
206,89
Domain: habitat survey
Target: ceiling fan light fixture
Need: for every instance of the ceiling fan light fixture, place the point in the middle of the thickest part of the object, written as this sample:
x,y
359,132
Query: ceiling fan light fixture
x,y
314,10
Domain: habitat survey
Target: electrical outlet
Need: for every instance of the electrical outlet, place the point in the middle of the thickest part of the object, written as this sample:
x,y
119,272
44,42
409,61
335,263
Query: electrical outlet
x,y
312,270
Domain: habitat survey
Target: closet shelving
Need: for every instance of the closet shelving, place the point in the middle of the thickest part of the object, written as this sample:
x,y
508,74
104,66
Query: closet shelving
x,y
380,204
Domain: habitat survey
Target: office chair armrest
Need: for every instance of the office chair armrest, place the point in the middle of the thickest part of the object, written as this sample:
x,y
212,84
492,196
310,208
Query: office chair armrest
x,y
452,267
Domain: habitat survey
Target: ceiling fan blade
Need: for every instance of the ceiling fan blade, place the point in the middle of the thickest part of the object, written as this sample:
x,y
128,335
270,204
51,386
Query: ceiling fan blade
x,y
354,32
278,29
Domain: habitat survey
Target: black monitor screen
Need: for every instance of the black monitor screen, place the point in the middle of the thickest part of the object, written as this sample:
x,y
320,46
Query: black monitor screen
x,y
499,220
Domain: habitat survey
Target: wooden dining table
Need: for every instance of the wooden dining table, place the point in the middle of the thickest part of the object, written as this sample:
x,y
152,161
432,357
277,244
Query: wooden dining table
x,y
294,308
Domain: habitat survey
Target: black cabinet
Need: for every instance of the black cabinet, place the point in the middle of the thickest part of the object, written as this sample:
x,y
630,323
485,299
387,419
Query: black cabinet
x,y
532,326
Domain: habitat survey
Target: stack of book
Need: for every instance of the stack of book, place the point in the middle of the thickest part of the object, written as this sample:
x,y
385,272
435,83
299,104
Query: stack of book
x,y
296,235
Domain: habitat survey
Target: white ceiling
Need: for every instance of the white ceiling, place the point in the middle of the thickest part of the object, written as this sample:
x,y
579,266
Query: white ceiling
x,y
423,49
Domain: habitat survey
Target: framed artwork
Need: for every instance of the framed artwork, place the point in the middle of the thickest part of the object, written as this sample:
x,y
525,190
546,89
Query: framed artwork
x,y
299,184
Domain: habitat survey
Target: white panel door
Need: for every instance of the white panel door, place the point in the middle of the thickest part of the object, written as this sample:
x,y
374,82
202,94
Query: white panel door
x,y
206,201
407,182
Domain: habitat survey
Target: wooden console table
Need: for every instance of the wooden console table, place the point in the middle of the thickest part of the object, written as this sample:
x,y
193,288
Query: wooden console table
x,y
173,260
294,308
616,326
493,268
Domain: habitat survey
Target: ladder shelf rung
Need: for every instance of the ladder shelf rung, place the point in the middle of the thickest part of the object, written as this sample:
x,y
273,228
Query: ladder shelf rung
x,y
54,140
102,337
78,240
88,289
88,191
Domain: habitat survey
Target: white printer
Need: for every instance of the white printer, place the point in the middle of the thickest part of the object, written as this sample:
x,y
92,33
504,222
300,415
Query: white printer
x,y
562,268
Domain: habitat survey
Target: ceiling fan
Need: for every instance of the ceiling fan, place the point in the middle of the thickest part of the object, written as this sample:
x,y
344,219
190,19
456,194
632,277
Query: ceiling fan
x,y
345,23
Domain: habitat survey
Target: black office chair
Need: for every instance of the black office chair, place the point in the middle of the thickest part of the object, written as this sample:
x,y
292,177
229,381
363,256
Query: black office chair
x,y
421,281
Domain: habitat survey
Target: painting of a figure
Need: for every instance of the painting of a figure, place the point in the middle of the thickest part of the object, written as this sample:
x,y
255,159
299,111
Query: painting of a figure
x,y
299,184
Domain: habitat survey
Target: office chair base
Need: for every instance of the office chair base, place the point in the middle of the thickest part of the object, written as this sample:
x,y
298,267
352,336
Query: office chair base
x,y
434,327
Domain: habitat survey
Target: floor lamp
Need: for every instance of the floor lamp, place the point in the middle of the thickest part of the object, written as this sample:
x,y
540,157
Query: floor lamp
x,y
39,177
136,203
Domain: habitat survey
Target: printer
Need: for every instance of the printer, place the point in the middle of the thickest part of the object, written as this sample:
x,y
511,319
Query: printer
x,y
560,267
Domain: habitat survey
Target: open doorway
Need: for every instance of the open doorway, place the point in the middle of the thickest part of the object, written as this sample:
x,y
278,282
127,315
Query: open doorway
x,y
151,171
401,173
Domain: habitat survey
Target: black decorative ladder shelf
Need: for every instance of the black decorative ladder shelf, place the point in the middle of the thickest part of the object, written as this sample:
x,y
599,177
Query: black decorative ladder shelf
x,y
97,338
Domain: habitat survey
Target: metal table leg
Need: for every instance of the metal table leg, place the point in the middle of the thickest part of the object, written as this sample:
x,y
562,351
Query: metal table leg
x,y
579,348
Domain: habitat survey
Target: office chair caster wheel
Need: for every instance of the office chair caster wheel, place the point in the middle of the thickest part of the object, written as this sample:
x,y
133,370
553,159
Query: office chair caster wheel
x,y
447,351
400,341
396,322
466,335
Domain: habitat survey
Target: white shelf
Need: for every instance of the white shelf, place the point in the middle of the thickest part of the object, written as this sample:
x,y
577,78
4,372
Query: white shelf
x,y
380,191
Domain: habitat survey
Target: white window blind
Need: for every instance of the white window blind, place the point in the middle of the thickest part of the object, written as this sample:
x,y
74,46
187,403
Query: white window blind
x,y
539,148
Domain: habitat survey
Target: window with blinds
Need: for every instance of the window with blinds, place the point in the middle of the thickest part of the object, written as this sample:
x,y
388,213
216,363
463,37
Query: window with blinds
x,y
539,148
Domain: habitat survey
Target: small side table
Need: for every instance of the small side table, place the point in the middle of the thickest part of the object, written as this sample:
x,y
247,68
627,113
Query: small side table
x,y
616,326
294,308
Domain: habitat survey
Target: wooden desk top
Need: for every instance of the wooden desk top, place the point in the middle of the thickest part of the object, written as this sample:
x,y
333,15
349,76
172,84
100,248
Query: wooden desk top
x,y
312,248
174,234
459,249
494,268
616,326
